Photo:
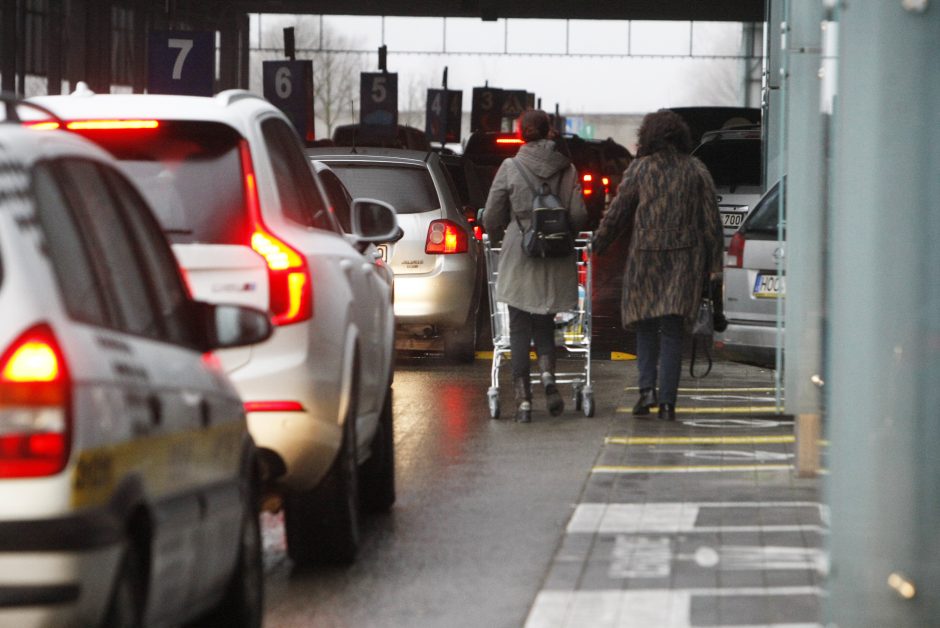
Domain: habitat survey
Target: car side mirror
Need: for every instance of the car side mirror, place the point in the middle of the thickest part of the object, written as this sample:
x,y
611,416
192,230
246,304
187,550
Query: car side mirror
x,y
375,221
226,326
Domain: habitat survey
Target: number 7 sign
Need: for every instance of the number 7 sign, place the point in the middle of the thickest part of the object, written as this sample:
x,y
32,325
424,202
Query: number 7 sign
x,y
181,62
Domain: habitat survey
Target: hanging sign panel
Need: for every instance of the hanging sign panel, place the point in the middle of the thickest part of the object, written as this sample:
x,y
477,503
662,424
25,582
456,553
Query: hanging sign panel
x,y
486,112
378,98
442,119
181,62
289,86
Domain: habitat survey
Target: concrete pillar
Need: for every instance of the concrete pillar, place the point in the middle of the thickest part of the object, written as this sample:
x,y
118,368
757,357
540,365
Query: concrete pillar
x,y
883,305
772,102
804,198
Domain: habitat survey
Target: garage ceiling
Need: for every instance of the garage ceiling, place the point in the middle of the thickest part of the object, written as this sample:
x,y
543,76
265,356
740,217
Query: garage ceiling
x,y
685,10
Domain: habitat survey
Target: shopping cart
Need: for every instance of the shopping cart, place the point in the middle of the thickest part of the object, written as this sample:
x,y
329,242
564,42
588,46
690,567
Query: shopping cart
x,y
572,329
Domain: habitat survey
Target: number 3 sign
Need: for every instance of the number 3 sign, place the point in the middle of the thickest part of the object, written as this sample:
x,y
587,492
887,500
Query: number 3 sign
x,y
181,62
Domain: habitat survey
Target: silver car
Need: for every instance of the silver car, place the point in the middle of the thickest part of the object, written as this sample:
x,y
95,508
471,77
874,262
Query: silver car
x,y
437,263
753,285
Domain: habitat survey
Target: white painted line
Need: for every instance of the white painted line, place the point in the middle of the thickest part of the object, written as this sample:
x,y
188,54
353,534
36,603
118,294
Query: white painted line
x,y
660,608
675,517
704,468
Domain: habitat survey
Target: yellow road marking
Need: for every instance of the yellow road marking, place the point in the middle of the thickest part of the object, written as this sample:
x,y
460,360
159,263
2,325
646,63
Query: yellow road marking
x,y
698,440
722,410
714,391
619,355
704,468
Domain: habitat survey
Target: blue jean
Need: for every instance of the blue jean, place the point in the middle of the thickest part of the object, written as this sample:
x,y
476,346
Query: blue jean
x,y
659,352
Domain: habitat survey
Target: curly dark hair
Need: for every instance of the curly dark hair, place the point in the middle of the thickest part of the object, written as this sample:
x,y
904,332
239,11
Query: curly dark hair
x,y
663,130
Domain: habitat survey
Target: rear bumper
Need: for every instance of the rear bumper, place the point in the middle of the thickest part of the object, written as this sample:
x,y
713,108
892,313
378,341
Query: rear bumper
x,y
442,299
754,343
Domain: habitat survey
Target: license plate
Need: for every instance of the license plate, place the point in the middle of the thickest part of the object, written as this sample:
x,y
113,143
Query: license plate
x,y
732,220
383,249
769,286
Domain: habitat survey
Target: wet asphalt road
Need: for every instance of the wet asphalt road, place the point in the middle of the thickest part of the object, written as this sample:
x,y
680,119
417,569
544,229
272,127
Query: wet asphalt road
x,y
482,507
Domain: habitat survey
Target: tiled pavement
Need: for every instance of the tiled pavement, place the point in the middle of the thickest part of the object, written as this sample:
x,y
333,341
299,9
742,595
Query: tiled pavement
x,y
700,522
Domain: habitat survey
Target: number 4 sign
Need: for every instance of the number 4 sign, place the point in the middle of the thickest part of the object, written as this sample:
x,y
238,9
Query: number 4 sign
x,y
181,62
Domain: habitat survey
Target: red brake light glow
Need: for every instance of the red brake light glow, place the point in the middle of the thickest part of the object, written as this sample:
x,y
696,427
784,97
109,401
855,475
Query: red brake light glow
x,y
110,125
34,395
273,406
734,258
509,140
290,285
445,237
587,177
42,126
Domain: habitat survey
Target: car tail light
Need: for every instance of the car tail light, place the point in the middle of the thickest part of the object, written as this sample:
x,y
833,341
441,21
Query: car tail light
x,y
273,406
289,282
734,258
45,125
35,435
587,187
111,125
445,236
606,183
514,141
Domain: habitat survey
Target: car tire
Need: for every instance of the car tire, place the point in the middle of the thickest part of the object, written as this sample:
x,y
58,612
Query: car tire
x,y
243,603
378,473
126,606
460,344
322,525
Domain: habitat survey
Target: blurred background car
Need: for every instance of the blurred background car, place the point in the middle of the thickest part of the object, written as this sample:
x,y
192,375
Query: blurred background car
x,y
378,137
129,484
734,157
753,283
250,224
486,150
704,119
600,165
438,264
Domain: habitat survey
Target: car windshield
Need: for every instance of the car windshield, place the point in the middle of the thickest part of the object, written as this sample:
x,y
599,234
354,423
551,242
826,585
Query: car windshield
x,y
732,162
190,172
409,189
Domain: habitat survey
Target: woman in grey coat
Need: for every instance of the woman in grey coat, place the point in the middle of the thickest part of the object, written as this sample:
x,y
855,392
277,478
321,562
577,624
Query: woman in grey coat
x,y
535,289
666,208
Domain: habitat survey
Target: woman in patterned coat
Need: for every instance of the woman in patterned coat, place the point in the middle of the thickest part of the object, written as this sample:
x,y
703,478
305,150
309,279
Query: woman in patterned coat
x,y
667,208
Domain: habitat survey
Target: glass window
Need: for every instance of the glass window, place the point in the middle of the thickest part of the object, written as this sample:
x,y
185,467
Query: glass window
x,y
732,162
339,198
766,215
296,187
66,249
162,267
409,189
191,175
111,243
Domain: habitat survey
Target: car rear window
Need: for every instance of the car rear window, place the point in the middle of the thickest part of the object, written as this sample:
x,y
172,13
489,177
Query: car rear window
x,y
409,189
732,162
190,173
766,216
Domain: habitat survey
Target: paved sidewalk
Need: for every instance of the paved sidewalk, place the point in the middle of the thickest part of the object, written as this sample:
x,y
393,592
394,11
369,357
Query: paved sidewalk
x,y
700,522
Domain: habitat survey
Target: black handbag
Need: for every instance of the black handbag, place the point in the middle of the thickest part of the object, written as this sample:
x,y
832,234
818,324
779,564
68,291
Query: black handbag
x,y
703,327
549,233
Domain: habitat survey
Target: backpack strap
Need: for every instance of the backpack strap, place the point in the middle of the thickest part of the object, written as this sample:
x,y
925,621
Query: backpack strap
x,y
525,175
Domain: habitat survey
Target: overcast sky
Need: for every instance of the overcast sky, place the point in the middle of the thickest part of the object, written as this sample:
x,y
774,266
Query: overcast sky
x,y
569,63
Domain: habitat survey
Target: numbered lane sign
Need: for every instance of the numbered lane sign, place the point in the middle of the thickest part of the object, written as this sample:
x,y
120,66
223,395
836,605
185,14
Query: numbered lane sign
x,y
289,86
181,62
442,120
514,102
378,98
486,109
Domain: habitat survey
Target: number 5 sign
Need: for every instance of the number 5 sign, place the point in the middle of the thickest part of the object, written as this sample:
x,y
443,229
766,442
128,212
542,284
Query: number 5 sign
x,y
181,62
378,98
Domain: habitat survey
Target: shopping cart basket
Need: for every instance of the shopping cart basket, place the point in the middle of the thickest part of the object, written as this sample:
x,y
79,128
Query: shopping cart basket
x,y
572,329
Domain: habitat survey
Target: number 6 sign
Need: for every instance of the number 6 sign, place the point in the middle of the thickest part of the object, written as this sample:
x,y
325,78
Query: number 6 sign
x,y
181,62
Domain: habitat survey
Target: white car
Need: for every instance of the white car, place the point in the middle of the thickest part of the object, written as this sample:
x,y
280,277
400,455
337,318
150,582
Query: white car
x,y
129,483
250,224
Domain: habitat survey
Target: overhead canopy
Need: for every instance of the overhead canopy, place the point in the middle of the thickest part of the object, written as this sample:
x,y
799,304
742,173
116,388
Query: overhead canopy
x,y
682,10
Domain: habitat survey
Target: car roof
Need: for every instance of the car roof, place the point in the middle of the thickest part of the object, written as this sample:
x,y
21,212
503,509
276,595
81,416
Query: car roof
x,y
361,153
229,106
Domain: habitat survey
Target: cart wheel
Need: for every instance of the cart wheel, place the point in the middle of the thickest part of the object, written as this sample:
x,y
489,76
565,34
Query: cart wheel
x,y
588,403
577,397
492,396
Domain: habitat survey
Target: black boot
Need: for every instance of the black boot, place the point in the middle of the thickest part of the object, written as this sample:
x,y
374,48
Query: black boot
x,y
522,392
647,399
556,405
667,412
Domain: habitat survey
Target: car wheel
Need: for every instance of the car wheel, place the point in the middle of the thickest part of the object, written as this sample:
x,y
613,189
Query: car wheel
x,y
378,473
460,344
243,604
126,607
322,525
